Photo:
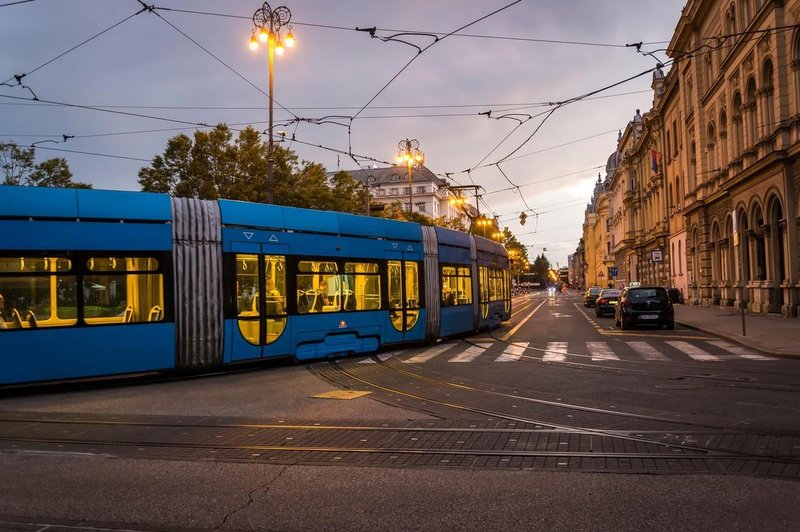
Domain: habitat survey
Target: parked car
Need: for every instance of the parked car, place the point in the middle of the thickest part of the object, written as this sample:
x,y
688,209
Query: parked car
x,y
675,295
591,296
644,305
607,301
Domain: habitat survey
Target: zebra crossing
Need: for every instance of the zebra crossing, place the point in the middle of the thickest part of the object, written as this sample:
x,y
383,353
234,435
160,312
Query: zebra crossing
x,y
672,350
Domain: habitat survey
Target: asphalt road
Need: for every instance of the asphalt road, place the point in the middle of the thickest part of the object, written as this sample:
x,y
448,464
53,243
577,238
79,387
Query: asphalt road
x,y
555,363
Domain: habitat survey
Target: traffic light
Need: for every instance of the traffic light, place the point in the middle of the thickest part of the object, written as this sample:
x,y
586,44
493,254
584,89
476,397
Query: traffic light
x,y
522,218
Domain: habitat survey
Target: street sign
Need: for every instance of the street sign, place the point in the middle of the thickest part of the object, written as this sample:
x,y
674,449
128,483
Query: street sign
x,y
601,275
657,255
613,271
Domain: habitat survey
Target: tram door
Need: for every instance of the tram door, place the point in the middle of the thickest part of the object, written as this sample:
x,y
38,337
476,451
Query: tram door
x,y
403,295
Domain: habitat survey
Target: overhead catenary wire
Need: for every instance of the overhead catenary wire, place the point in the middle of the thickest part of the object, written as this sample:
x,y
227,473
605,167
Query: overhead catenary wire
x,y
201,124
18,77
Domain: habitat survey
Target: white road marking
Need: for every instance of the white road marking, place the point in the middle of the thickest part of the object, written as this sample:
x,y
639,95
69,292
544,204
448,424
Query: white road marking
x,y
694,352
512,353
647,351
428,354
555,352
510,333
601,351
739,350
469,354
382,357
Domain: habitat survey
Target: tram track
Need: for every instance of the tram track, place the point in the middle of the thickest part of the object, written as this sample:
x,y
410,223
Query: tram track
x,y
674,434
490,444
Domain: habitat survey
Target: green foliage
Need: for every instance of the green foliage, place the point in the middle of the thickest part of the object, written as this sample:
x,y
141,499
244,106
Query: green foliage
x,y
19,168
348,194
214,165
541,267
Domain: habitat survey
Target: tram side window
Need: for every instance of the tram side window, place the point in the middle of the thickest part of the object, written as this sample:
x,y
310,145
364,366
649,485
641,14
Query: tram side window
x,y
495,284
37,292
412,285
318,287
456,286
122,290
484,284
247,285
362,286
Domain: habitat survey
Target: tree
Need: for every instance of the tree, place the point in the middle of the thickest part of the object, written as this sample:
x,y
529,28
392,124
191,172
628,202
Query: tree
x,y
18,168
541,267
213,165
348,194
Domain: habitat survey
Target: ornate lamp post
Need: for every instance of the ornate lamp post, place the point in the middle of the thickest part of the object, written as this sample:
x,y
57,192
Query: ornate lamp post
x,y
412,157
267,25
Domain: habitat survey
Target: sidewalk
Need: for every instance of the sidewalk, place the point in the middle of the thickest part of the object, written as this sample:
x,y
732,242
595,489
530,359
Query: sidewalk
x,y
770,334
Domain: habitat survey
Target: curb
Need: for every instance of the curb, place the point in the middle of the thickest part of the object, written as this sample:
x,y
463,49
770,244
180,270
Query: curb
x,y
740,340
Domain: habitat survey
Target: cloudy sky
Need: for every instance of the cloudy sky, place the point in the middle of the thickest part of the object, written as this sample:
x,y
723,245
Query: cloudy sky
x,y
480,101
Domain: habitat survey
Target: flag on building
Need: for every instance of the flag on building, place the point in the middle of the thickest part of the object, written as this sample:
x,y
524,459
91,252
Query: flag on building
x,y
655,159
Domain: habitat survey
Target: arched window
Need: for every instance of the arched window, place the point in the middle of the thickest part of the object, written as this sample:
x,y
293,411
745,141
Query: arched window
x,y
777,233
716,258
751,114
723,139
711,153
796,70
672,258
709,68
671,196
768,101
728,263
744,14
760,245
744,241
738,126
730,22
695,258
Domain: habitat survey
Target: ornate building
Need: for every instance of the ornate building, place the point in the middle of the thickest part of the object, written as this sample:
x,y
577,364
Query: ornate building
x,y
741,119
706,195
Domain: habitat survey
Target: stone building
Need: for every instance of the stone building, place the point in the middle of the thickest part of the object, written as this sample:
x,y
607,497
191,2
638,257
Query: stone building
x,y
740,98
430,194
705,197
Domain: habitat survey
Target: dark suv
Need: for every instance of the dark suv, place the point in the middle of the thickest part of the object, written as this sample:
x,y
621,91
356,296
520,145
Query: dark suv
x,y
644,305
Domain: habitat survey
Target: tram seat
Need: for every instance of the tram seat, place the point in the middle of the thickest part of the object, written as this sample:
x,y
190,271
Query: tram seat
x,y
17,318
31,318
349,300
155,314
311,297
128,314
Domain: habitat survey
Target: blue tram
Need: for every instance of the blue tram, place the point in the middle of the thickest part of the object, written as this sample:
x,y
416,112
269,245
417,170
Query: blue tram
x,y
97,283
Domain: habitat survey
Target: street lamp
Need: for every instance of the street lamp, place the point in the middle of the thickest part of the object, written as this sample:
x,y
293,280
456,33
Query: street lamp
x,y
412,157
267,24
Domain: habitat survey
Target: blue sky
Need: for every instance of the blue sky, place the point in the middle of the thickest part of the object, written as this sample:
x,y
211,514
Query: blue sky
x,y
179,68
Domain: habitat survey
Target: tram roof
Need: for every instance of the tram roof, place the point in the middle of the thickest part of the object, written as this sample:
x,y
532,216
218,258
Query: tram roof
x,y
276,217
90,204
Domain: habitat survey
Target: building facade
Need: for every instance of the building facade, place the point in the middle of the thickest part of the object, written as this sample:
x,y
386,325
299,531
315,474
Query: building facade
x,y
430,195
710,186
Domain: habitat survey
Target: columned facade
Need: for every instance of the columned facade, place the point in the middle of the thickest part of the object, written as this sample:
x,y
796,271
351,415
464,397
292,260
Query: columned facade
x,y
710,180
